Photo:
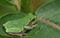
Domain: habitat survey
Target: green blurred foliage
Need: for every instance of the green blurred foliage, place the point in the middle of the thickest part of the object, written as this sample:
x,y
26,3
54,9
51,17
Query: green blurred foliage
x,y
48,10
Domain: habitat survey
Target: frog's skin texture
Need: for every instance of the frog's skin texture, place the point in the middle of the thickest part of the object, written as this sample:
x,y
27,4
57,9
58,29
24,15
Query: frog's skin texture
x,y
18,25
23,33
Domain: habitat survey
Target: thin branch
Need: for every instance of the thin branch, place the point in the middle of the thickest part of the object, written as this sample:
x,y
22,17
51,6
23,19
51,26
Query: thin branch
x,y
18,4
49,22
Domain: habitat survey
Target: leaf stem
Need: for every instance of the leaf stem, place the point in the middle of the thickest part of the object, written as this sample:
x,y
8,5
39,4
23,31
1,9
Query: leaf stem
x,y
49,22
18,5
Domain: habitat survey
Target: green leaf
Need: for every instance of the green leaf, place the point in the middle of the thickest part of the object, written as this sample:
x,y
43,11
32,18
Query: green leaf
x,y
43,31
25,6
40,31
4,2
6,18
50,12
2,32
28,6
9,36
6,8
18,25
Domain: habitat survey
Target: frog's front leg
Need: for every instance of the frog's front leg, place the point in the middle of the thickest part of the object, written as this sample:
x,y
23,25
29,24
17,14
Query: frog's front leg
x,y
30,27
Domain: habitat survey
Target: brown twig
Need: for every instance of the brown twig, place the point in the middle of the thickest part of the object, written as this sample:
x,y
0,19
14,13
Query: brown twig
x,y
49,22
18,5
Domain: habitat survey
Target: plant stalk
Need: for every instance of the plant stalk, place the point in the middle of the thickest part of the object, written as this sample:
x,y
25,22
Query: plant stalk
x,y
49,22
18,4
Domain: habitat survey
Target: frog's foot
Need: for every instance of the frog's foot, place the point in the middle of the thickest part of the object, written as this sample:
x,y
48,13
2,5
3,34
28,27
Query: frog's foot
x,y
18,34
22,34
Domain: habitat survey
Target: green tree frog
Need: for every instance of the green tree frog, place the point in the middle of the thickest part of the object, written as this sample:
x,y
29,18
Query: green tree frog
x,y
18,26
